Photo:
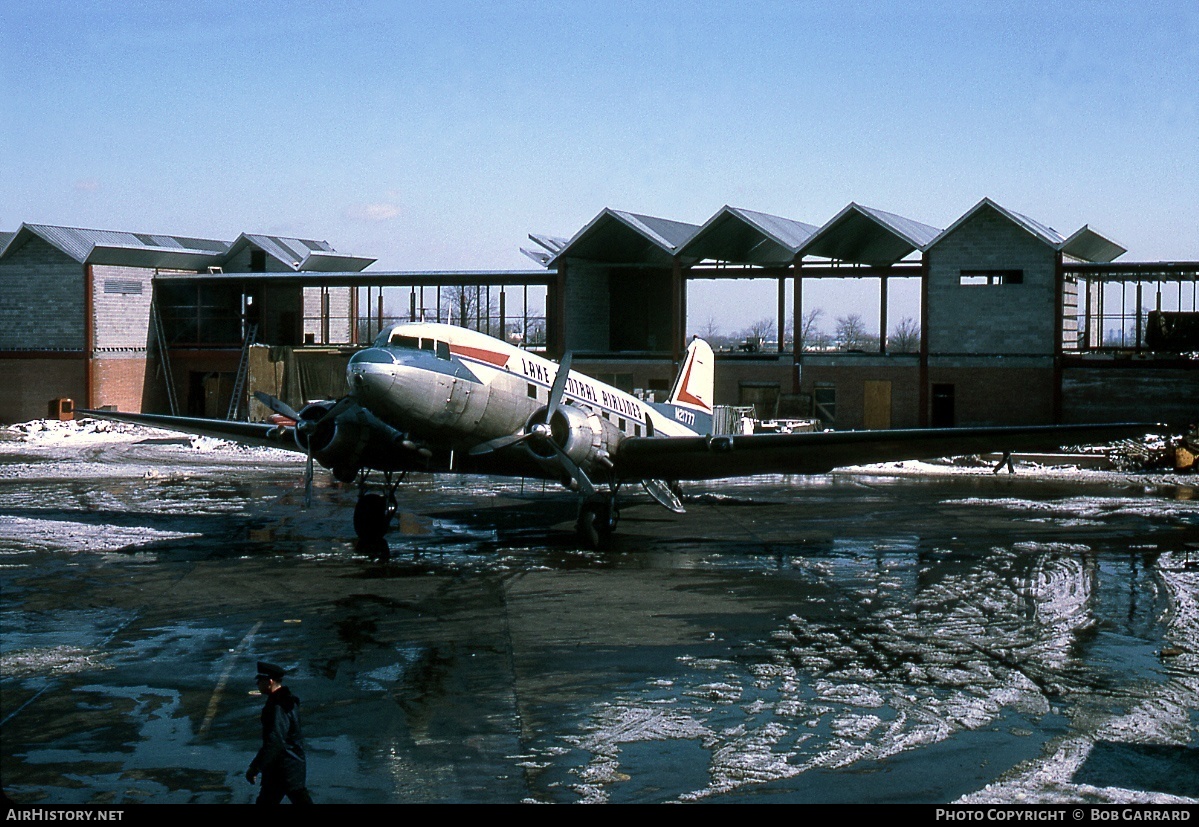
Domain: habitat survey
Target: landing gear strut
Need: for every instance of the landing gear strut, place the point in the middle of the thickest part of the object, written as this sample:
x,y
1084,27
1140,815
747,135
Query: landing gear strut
x,y
376,507
598,516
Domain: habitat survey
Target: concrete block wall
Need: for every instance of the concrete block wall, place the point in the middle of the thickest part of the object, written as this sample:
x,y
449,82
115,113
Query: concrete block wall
x,y
121,298
339,315
587,308
991,319
731,373
41,299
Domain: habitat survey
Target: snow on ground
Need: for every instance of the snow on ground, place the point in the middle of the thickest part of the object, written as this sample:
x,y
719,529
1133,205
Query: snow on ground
x,y
68,536
89,447
1161,718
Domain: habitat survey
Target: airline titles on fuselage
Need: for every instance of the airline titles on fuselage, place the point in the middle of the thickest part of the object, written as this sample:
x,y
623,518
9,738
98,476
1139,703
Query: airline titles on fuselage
x,y
583,390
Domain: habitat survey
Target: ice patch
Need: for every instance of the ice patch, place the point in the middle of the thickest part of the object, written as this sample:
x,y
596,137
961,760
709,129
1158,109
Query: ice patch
x,y
65,535
55,660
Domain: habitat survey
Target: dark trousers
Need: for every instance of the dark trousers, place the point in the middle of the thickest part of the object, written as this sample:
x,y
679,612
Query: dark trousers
x,y
274,787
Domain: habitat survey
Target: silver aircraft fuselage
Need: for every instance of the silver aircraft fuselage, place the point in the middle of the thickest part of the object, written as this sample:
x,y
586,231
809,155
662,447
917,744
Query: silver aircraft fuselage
x,y
447,385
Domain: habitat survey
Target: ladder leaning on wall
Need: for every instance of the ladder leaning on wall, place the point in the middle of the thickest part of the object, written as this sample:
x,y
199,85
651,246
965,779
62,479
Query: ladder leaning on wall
x,y
164,357
243,370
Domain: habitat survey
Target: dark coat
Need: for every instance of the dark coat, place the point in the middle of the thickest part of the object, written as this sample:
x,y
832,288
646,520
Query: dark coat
x,y
281,759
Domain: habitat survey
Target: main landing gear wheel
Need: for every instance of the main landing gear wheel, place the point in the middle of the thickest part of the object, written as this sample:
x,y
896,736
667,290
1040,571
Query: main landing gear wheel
x,y
597,521
371,516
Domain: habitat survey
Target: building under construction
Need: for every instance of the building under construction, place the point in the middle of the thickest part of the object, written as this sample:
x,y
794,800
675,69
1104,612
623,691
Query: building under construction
x,y
1017,323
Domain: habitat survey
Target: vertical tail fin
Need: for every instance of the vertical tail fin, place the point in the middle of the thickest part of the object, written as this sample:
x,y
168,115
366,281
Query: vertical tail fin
x,y
693,388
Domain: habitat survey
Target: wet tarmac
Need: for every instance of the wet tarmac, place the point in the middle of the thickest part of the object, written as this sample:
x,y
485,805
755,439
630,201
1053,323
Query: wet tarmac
x,y
876,635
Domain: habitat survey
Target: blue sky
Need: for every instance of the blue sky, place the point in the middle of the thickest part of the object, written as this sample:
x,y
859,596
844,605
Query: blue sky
x,y
438,135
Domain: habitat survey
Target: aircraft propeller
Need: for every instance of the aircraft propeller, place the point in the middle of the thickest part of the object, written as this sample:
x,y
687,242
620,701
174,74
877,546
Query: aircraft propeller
x,y
306,427
543,433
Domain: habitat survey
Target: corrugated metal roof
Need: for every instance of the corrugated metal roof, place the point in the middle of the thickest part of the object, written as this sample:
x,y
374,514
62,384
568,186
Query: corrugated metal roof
x,y
1044,232
78,243
865,235
742,236
1089,246
615,236
551,243
788,231
670,235
300,253
333,262
914,231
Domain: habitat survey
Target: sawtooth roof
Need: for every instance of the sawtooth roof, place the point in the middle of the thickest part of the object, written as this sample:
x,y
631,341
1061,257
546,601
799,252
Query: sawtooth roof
x,y
746,237
857,235
1085,244
618,237
177,252
865,235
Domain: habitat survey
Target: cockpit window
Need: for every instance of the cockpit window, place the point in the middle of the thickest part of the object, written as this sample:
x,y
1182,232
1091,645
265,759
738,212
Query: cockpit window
x,y
389,339
410,342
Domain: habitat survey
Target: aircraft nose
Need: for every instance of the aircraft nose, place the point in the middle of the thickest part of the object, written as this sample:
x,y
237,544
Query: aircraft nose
x,y
370,372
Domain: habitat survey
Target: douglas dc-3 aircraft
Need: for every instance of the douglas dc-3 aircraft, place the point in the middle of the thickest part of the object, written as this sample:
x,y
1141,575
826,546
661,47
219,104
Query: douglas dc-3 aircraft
x,y
435,397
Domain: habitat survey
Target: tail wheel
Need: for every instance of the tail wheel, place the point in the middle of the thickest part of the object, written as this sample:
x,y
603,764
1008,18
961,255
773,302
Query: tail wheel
x,y
371,516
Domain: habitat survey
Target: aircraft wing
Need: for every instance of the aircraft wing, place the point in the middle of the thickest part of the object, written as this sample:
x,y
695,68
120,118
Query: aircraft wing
x,y
261,434
711,457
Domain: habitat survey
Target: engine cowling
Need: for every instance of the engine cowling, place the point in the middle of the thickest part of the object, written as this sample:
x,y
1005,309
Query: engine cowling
x,y
577,432
345,441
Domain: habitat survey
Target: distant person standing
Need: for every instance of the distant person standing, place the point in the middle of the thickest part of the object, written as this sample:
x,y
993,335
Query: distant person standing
x,y
281,759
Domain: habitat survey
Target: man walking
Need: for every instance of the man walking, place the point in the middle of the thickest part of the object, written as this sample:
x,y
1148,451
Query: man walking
x,y
281,759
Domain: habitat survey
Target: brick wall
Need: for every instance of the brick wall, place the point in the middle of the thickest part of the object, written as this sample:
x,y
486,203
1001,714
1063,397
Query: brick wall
x,y
997,391
119,380
1136,393
848,376
30,383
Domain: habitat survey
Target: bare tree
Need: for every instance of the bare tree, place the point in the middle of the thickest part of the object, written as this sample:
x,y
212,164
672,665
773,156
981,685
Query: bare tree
x,y
757,334
472,306
709,331
810,334
905,338
851,333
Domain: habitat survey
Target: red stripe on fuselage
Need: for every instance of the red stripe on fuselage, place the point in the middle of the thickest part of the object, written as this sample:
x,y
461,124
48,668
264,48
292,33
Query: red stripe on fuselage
x,y
490,356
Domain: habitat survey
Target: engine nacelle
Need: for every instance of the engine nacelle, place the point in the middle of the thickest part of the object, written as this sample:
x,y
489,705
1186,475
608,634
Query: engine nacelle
x,y
577,432
353,438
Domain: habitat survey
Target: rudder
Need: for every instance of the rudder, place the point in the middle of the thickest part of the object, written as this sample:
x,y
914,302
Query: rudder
x,y
694,386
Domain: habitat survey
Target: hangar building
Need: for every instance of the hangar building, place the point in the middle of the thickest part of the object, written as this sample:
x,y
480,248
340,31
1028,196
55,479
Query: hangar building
x,y
1017,322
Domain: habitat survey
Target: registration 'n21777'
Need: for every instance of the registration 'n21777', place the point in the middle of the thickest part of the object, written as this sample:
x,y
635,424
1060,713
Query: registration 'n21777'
x,y
686,417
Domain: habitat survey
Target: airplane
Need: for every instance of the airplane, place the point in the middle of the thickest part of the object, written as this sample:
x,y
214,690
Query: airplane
x,y
435,397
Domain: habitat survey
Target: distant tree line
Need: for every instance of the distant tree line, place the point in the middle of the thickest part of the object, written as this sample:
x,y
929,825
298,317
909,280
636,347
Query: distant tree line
x,y
849,333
